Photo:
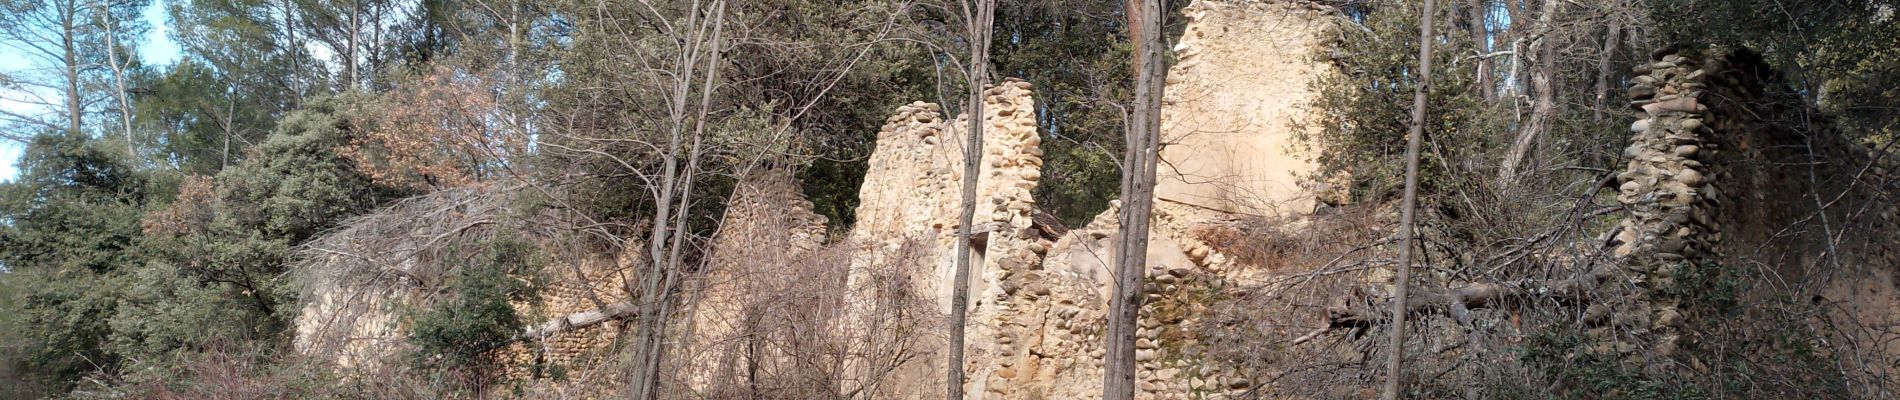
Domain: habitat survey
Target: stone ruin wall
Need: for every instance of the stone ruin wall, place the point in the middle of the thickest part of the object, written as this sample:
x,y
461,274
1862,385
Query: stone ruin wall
x,y
354,326
1242,77
909,203
1706,180
1038,304
1730,169
1038,298
768,231
363,280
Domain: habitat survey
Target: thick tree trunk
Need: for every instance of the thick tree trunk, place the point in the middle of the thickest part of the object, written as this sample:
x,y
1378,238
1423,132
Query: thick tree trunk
x,y
1138,186
1408,206
980,15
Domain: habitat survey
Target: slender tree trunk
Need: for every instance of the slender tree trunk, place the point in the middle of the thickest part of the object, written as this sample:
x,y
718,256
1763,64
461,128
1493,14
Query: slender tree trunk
x,y
980,15
1481,40
673,198
1408,207
1138,184
292,48
224,125
349,51
1610,39
118,79
1541,112
69,33
1512,32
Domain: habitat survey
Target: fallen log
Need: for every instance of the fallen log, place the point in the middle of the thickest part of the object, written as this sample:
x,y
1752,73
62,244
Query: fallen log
x,y
1458,301
579,320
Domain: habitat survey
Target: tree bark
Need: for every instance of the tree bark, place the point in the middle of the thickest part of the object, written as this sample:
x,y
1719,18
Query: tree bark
x,y
349,49
1539,120
1610,39
1139,162
1469,296
118,78
69,36
1408,207
579,320
673,198
292,48
980,15
1481,41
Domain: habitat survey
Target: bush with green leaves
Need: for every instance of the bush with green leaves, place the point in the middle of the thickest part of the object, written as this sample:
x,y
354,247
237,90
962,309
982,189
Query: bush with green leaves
x,y
460,333
70,232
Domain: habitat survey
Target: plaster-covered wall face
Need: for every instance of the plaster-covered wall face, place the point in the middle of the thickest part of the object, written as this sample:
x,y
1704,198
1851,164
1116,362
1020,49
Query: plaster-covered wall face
x,y
1243,77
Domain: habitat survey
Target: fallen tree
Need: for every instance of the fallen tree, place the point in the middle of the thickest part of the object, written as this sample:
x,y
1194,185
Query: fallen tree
x,y
579,320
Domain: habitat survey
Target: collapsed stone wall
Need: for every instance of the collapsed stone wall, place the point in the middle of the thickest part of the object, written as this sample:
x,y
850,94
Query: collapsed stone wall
x,y
361,280
767,234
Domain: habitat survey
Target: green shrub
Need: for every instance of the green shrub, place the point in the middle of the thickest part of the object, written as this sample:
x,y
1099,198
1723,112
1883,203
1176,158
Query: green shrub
x,y
458,336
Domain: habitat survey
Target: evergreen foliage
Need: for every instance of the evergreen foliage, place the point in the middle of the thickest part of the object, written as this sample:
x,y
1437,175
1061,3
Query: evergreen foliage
x,y
462,333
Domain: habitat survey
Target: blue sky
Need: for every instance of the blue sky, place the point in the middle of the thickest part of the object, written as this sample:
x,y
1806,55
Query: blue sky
x,y
157,49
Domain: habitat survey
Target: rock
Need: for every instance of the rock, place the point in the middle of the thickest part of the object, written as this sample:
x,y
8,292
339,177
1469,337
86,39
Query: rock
x,y
1631,187
1180,271
1146,355
1690,177
1642,92
1595,314
1668,317
1690,124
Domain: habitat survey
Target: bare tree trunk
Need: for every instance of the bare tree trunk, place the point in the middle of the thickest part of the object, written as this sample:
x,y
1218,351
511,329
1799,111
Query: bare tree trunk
x,y
118,78
673,198
1541,112
224,160
349,50
1481,41
979,16
69,33
1610,39
291,52
1408,206
1517,14
1138,186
